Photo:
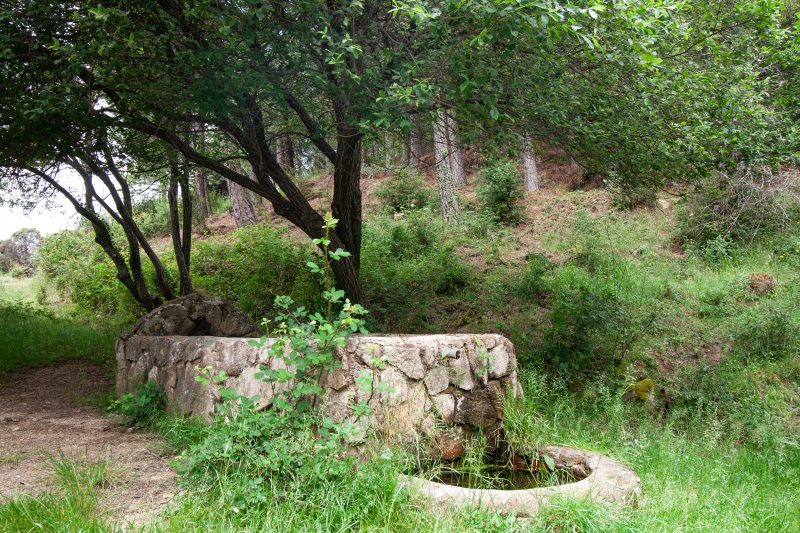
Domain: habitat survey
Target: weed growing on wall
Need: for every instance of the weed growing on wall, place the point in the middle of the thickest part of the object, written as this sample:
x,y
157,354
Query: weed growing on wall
x,y
289,445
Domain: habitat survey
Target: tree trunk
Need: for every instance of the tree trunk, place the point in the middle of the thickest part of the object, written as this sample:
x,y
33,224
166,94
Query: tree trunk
x,y
285,153
444,180
346,203
244,214
455,157
416,144
388,148
181,240
530,171
203,196
407,150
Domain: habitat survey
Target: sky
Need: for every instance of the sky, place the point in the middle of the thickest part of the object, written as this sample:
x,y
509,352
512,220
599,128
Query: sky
x,y
46,219
56,216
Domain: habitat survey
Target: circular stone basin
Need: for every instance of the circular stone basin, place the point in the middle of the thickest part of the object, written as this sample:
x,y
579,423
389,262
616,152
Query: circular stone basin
x,y
601,478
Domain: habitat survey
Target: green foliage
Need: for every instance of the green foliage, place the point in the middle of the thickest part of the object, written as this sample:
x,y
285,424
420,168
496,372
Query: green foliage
x,y
630,195
76,267
290,446
500,192
253,267
768,331
32,336
594,322
404,191
408,264
532,282
141,407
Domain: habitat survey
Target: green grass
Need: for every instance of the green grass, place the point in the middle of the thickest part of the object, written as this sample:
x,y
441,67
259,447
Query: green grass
x,y
18,289
720,451
31,336
72,506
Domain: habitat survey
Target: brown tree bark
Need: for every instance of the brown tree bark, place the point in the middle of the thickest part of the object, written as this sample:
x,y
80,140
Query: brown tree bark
x,y
244,214
181,228
201,179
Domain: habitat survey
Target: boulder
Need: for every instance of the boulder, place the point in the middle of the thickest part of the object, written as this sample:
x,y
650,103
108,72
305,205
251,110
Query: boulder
x,y
196,314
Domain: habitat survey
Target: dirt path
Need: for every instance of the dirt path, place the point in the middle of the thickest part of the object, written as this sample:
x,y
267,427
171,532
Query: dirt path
x,y
48,411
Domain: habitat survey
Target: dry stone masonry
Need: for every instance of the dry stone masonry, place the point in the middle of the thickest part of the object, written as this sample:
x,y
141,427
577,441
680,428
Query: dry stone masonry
x,y
436,388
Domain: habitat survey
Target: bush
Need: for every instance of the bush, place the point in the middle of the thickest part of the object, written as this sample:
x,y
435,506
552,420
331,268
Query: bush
x,y
142,407
594,322
740,206
627,195
767,331
80,272
403,192
406,264
259,264
500,192
532,282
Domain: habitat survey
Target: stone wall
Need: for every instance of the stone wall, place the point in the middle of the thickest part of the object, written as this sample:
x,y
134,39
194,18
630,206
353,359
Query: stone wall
x,y
438,387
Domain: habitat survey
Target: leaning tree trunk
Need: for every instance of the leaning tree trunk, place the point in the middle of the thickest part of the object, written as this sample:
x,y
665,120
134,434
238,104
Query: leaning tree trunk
x,y
244,214
529,169
444,179
455,158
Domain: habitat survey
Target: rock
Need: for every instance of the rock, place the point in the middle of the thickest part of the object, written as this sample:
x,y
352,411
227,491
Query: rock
x,y
449,446
406,359
460,373
476,410
427,385
395,387
644,391
762,284
498,362
196,314
445,405
437,379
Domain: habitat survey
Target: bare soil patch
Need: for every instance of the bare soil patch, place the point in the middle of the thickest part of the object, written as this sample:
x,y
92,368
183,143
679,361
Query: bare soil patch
x,y
48,411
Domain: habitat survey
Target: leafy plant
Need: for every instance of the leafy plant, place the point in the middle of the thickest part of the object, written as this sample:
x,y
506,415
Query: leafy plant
x,y
141,407
500,192
768,331
289,445
403,192
532,283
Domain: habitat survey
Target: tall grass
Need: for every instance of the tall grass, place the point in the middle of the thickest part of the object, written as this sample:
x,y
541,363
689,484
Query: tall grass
x,y
32,337
71,506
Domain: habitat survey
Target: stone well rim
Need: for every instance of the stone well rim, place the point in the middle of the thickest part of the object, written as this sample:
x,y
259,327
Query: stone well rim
x,y
608,481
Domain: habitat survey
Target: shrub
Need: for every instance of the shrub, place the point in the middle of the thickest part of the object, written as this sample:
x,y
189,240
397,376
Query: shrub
x,y
594,322
80,272
532,282
406,263
259,264
625,195
500,192
767,331
18,271
403,192
141,407
740,206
